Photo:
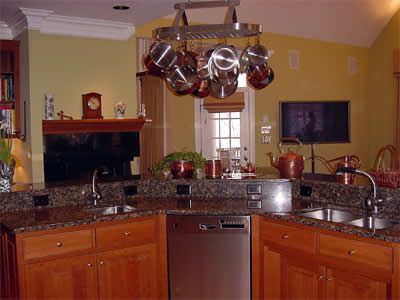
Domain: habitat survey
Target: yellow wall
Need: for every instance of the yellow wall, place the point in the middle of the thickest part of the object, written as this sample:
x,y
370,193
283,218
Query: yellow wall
x,y
68,67
322,75
381,87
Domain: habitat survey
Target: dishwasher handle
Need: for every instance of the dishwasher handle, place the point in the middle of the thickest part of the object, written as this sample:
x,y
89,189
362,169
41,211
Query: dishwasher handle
x,y
207,226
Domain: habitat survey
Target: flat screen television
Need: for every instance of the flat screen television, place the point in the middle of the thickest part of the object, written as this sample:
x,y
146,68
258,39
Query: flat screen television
x,y
315,122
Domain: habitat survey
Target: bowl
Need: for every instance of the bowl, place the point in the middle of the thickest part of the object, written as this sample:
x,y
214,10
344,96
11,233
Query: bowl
x,y
182,169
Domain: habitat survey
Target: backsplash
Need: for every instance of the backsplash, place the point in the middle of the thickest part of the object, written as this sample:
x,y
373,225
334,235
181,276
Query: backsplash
x,y
113,192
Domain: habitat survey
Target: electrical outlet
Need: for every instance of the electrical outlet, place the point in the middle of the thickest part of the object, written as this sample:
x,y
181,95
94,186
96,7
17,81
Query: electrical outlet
x,y
305,191
40,200
183,189
254,189
130,190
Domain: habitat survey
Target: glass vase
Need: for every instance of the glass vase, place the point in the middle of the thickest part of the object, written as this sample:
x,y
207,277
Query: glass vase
x,y
6,176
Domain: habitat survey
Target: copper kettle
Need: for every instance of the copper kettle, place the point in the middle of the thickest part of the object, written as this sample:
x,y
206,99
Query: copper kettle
x,y
290,164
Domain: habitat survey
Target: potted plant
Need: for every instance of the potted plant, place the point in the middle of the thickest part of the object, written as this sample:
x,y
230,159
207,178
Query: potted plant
x,y
163,167
7,161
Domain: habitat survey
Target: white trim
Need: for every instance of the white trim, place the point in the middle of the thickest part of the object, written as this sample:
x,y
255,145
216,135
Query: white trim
x,y
165,119
198,102
49,23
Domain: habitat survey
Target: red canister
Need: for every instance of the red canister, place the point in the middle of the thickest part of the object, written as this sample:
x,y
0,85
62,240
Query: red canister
x,y
213,169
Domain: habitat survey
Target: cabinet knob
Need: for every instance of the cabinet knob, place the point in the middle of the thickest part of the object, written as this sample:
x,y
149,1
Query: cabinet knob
x,y
127,233
90,265
59,244
285,236
351,252
321,277
329,278
102,262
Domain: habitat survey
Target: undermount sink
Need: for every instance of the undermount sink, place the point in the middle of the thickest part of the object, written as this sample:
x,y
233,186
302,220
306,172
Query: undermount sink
x,y
372,222
110,210
349,218
330,214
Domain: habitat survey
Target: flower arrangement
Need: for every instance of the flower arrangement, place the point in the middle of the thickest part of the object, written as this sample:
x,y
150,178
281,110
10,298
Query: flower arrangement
x,y
6,144
120,108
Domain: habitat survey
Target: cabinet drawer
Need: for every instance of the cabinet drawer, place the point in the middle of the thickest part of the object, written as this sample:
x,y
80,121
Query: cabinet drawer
x,y
55,244
356,251
289,236
125,235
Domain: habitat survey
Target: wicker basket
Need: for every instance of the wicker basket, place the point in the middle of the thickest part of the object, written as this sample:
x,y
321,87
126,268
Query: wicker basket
x,y
388,177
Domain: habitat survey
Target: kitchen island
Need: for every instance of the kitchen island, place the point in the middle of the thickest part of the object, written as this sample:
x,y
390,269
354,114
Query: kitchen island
x,y
299,249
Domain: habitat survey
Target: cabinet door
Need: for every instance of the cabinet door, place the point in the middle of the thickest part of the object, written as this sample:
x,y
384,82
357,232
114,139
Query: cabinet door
x,y
128,273
287,277
69,278
344,285
299,278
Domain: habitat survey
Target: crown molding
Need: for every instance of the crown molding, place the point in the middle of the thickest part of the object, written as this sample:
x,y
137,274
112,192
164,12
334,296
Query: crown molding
x,y
5,31
49,23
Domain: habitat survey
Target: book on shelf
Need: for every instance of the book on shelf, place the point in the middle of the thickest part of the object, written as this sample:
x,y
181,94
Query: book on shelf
x,y
7,88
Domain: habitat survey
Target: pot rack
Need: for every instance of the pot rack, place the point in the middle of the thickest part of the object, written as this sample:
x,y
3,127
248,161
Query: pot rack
x,y
231,28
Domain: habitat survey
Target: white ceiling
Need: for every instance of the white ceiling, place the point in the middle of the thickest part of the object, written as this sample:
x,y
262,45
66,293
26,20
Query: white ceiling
x,y
355,22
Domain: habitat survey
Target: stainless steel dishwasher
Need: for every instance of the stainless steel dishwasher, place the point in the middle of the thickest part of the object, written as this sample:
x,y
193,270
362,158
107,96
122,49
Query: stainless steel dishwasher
x,y
209,257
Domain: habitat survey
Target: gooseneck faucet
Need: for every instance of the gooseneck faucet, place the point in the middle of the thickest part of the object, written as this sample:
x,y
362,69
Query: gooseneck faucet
x,y
96,193
371,206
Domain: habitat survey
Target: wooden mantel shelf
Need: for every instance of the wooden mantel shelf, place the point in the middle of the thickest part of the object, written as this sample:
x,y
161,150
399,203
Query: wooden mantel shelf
x,y
81,126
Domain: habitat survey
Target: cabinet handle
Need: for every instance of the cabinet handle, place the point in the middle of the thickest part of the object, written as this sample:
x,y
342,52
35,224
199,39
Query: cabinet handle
x,y
321,277
351,252
102,262
90,265
285,236
127,233
329,278
59,244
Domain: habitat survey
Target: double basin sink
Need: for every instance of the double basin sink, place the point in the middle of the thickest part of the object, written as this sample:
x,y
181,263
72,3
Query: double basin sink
x,y
346,217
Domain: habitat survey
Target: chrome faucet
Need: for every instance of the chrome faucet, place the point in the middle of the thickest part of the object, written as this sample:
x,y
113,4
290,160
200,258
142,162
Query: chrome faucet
x,y
373,205
96,193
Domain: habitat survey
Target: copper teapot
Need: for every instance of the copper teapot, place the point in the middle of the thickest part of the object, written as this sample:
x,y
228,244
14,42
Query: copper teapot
x,y
290,164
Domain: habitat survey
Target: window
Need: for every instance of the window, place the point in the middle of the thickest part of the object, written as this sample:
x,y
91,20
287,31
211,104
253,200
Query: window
x,y
227,134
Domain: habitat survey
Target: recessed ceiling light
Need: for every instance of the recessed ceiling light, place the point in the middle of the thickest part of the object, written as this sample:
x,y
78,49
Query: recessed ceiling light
x,y
121,7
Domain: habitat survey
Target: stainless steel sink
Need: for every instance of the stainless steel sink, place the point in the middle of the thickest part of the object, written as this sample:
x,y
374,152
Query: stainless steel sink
x,y
330,214
110,210
372,223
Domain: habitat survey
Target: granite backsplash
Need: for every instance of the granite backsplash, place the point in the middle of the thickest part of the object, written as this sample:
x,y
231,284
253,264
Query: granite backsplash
x,y
113,192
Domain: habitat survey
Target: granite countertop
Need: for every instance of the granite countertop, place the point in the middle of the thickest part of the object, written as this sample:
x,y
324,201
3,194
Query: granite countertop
x,y
58,217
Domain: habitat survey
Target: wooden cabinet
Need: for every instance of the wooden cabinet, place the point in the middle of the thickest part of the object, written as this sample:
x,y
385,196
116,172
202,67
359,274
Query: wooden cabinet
x,y
71,278
9,83
137,265
109,260
319,264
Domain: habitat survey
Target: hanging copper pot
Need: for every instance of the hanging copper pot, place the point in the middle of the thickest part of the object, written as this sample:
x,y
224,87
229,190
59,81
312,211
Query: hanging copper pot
x,y
290,164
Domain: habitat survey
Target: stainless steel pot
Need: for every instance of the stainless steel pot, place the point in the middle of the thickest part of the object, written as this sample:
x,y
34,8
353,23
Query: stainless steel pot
x,y
161,56
221,91
258,55
224,58
183,80
244,60
223,77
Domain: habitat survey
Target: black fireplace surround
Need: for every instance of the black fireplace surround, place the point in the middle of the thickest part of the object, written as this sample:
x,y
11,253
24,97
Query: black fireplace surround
x,y
73,157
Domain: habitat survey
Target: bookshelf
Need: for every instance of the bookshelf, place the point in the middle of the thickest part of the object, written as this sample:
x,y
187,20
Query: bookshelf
x,y
9,85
